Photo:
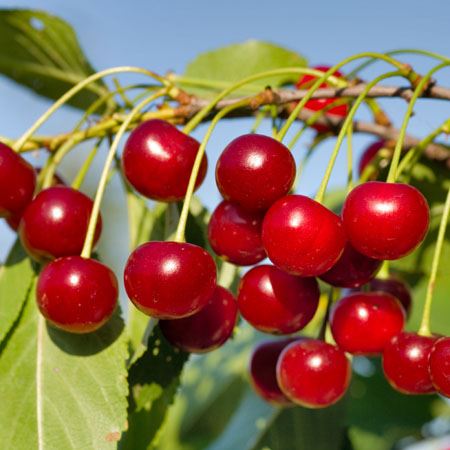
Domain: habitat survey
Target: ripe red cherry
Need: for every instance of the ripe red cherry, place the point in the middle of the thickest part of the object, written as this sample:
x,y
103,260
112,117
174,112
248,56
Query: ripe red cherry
x,y
406,361
385,220
302,237
262,369
317,104
77,294
235,234
55,223
274,301
170,280
254,171
158,158
17,182
440,366
394,286
313,373
364,323
352,269
207,329
369,154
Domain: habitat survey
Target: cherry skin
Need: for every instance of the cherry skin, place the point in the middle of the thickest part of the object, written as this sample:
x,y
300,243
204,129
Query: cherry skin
x,y
207,329
396,287
158,158
276,302
17,182
369,154
406,361
364,323
440,366
254,171
317,104
77,294
352,269
313,373
235,234
170,280
55,223
302,237
262,369
385,220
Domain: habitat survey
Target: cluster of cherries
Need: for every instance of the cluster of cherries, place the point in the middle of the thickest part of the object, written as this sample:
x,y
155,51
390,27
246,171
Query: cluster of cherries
x,y
258,218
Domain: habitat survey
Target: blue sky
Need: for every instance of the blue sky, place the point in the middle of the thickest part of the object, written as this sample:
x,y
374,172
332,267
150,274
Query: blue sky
x,y
167,35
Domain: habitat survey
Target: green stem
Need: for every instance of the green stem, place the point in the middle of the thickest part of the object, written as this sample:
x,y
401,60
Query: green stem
x,y
260,116
81,175
350,157
392,175
79,87
180,233
384,272
347,122
88,243
424,329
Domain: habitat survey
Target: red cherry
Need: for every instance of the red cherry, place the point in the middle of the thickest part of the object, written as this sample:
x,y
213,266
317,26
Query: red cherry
x,y
317,104
313,373
406,361
302,237
385,220
254,171
17,182
77,294
440,366
158,158
275,302
369,154
352,269
55,223
363,324
207,329
170,280
235,234
262,368
396,287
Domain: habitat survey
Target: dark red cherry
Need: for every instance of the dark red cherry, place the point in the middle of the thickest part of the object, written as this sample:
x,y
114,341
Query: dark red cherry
x,y
158,158
394,286
313,373
364,323
17,182
207,329
406,361
254,171
440,366
276,302
262,369
385,220
55,223
302,237
77,294
170,280
352,269
235,234
317,104
369,154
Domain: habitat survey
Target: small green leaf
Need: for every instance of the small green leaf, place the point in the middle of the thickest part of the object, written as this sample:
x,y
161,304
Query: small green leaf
x,y
224,66
41,51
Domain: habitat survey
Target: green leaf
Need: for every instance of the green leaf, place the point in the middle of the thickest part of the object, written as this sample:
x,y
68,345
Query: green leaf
x,y
224,66
41,51
16,276
60,390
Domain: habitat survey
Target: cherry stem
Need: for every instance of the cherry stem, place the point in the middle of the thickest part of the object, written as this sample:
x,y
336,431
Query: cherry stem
x,y
424,329
180,233
384,273
324,77
88,243
331,297
79,87
421,86
81,175
350,157
343,131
